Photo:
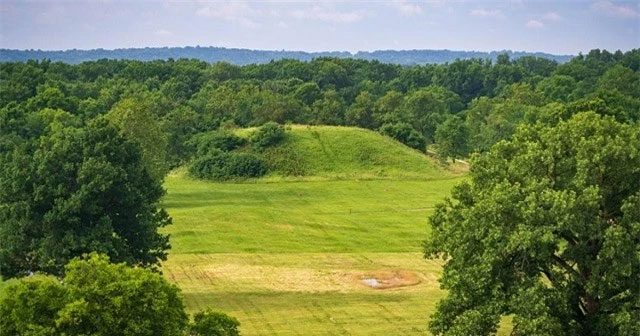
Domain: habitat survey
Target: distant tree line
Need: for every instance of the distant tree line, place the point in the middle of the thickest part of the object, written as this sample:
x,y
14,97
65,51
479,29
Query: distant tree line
x,y
248,56
457,108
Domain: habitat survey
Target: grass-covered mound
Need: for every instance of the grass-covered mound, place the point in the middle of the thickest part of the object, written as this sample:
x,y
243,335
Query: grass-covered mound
x,y
328,152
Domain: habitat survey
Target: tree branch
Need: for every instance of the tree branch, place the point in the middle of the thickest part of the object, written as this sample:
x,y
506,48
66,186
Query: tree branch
x,y
562,263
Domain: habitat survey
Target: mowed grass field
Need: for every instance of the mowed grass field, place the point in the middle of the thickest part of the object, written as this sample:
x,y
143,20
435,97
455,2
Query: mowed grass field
x,y
289,258
298,254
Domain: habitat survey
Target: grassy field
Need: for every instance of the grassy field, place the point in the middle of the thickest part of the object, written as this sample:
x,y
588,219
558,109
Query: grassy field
x,y
335,250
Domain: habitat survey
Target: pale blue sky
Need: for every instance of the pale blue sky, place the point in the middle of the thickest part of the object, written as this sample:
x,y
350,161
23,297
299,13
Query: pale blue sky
x,y
548,26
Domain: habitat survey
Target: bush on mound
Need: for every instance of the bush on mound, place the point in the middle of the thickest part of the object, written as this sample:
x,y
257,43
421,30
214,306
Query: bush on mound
x,y
228,165
267,135
406,134
206,143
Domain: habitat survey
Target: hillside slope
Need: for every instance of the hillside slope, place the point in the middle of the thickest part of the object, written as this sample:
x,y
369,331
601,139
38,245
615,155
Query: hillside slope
x,y
335,152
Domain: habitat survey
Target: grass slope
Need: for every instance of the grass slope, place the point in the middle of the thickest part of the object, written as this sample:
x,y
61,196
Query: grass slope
x,y
289,257
334,152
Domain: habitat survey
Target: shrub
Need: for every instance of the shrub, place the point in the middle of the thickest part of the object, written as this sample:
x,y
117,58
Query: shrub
x,y
406,134
220,165
210,323
267,135
225,141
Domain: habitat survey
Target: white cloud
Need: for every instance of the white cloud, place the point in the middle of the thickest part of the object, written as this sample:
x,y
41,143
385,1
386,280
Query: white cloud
x,y
534,24
406,7
611,9
487,13
236,12
552,16
323,13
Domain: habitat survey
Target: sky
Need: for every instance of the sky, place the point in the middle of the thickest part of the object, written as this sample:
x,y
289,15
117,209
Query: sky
x,y
559,27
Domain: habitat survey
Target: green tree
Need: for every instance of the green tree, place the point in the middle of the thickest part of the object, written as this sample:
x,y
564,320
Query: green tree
x,y
137,123
73,191
492,120
557,88
427,108
329,110
307,93
29,306
622,79
404,133
329,73
94,298
220,140
361,112
387,108
179,125
451,138
210,323
546,230
51,97
275,107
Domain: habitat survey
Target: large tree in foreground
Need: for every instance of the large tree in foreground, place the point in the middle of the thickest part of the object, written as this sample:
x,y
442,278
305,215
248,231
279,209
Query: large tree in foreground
x,y
546,230
77,190
98,298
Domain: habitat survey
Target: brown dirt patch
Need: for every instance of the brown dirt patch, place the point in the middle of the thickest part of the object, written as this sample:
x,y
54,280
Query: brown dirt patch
x,y
385,279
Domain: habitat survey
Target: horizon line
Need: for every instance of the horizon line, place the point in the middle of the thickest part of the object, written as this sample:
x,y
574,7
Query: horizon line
x,y
301,51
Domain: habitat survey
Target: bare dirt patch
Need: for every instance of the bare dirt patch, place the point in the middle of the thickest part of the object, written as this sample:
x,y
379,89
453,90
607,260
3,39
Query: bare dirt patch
x,y
295,279
385,279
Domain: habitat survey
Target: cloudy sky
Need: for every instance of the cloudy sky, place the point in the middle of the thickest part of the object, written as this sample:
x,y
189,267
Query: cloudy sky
x,y
566,27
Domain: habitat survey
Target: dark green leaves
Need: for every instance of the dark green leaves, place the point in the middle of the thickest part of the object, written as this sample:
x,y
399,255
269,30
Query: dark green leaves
x,y
74,191
547,231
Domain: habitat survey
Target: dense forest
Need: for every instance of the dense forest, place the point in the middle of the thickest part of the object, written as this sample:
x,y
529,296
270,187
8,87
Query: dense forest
x,y
461,107
248,56
84,150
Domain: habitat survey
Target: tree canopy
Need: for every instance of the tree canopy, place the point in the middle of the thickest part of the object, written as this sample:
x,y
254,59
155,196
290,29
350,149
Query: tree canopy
x,y
98,298
161,104
74,191
546,230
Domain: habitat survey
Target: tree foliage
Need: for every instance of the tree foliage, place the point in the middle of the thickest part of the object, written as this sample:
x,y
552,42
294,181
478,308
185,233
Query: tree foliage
x,y
451,138
210,142
267,135
406,134
161,104
546,230
98,298
94,298
211,323
137,123
220,166
74,191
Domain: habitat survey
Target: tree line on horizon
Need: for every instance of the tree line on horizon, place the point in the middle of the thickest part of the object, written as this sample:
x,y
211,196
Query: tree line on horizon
x,y
248,56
